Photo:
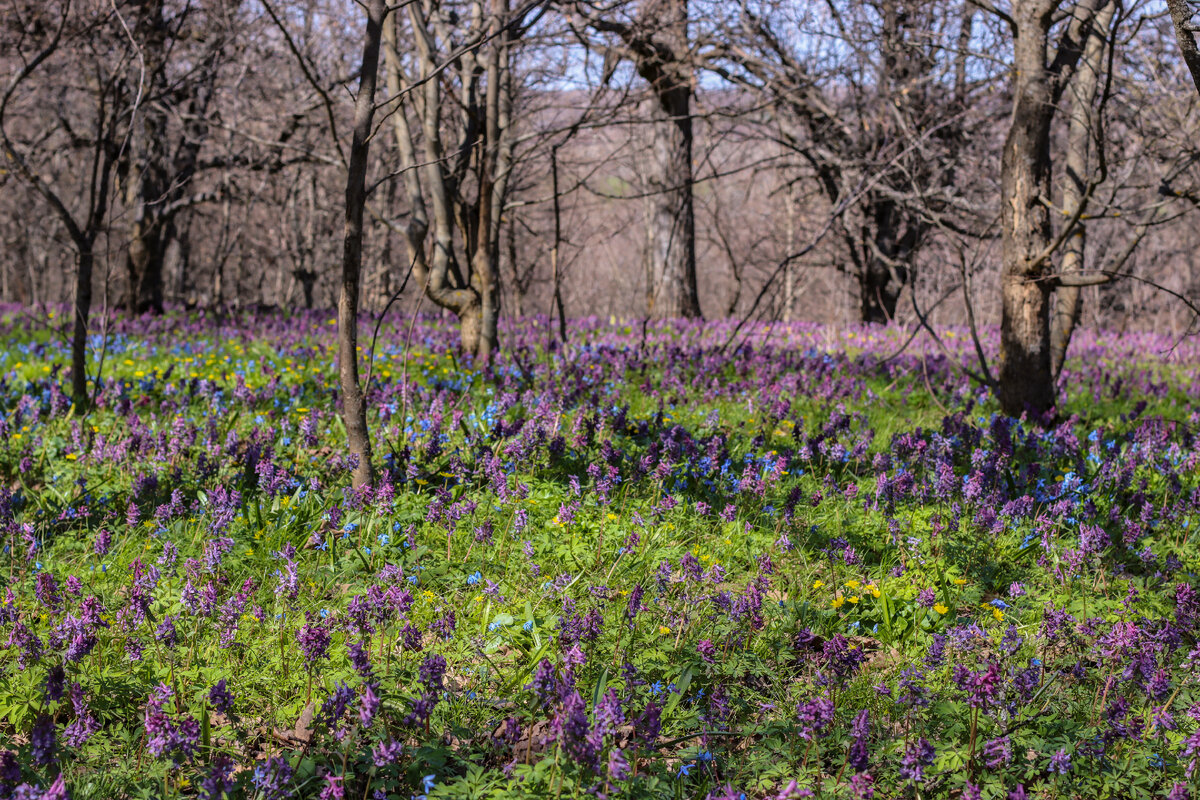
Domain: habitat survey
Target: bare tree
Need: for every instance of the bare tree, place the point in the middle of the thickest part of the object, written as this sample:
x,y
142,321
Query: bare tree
x,y
92,125
354,407
469,49
1042,69
892,98
655,39
178,85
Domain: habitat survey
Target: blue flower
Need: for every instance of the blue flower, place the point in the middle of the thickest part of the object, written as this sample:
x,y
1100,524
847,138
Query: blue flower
x,y
684,770
474,578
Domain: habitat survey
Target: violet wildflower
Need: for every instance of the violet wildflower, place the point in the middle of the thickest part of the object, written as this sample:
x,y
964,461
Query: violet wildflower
x,y
618,766
917,756
369,705
648,725
333,789
432,671
272,777
1179,791
814,716
997,752
386,753
1060,762
220,698
219,779
860,753
85,724
42,742
545,682
313,638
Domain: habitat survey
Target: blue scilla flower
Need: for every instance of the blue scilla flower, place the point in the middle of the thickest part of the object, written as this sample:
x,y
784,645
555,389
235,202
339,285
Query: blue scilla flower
x,y
528,625
474,578
998,603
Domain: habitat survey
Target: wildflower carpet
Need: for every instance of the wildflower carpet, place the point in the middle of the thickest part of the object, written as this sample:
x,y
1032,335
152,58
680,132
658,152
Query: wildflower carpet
x,y
650,562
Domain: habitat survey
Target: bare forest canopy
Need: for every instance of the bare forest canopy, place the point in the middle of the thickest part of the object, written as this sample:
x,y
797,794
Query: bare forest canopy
x,y
1030,165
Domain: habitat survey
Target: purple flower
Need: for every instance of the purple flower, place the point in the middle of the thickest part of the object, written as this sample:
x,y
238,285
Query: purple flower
x,y
917,756
860,751
313,638
570,727
167,736
360,659
386,753
1179,791
648,725
85,724
55,683
1060,762
369,705
271,777
997,752
46,590
618,766
335,707
432,672
814,716
545,682
41,741
220,698
219,779
333,789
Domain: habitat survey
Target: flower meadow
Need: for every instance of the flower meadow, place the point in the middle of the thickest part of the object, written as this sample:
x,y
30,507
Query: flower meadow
x,y
649,562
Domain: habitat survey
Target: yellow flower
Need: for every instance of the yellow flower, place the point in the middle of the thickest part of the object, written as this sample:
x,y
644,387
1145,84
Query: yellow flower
x,y
959,581
872,590
998,614
941,609
853,598
852,584
818,584
839,601
71,456
664,630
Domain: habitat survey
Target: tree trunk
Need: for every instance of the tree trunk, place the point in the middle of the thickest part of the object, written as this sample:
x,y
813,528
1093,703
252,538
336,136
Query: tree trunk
x,y
354,407
1025,380
83,308
879,293
1068,300
673,227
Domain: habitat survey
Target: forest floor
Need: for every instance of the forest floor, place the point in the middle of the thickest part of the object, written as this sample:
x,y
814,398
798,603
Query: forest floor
x,y
647,563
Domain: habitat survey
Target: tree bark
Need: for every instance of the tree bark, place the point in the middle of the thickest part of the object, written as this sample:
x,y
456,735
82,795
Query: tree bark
x,y
1025,380
354,407
1068,300
673,222
1181,16
83,307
